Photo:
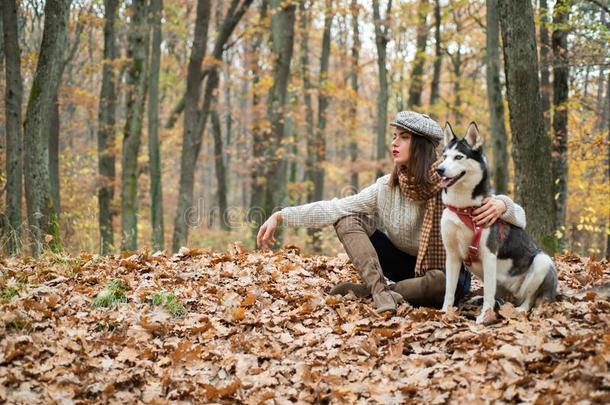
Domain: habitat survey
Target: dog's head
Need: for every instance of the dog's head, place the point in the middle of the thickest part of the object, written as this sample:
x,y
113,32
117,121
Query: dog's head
x,y
462,156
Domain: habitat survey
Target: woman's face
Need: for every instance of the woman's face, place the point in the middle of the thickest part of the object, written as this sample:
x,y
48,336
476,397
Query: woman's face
x,y
401,146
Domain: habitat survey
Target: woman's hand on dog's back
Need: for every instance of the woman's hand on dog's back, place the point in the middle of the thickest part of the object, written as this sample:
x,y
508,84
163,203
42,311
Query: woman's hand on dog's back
x,y
265,238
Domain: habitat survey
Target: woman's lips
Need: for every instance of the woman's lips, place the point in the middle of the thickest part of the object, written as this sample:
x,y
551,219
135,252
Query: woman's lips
x,y
395,153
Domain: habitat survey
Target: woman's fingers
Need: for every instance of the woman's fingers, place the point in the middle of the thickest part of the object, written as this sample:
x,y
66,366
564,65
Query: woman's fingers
x,y
259,235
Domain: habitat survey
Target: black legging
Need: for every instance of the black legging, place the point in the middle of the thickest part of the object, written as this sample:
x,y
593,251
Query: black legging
x,y
398,265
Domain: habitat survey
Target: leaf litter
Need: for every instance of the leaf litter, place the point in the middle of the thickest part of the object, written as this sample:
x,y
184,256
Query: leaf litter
x,y
260,327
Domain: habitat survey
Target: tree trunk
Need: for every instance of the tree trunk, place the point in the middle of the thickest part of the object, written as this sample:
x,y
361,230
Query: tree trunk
x,y
106,129
417,73
310,158
13,98
545,64
154,147
191,141
42,215
438,54
220,171
319,144
282,44
381,41
259,143
531,146
353,109
560,110
495,101
54,153
137,51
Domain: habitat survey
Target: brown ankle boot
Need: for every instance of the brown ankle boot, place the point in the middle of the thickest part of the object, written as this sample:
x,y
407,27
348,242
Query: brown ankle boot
x,y
427,290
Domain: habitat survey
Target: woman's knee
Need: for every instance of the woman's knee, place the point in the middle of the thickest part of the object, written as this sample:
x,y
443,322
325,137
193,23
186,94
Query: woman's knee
x,y
354,224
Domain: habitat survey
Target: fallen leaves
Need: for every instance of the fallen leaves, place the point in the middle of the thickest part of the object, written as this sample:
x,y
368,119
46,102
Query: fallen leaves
x,y
254,327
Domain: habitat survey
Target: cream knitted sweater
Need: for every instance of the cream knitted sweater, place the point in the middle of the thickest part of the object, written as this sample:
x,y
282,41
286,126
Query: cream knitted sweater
x,y
400,218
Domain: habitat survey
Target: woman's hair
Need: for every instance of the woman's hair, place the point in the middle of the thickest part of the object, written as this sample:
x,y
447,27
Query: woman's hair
x,y
421,157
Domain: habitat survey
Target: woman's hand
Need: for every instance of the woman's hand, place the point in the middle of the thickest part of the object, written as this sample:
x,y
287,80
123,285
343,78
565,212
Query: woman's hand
x,y
489,212
266,234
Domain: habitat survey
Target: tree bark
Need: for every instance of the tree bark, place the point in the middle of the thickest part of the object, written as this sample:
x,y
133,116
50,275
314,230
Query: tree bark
x,y
191,142
417,85
259,143
137,51
42,214
282,45
13,99
545,64
220,170
106,129
154,146
531,146
381,42
353,109
310,158
560,110
495,100
319,144
438,54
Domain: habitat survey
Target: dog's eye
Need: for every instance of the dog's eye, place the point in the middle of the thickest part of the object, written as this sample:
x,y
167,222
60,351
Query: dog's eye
x,y
458,157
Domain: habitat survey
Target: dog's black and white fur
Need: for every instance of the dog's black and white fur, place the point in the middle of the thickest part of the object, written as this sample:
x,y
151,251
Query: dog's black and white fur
x,y
513,264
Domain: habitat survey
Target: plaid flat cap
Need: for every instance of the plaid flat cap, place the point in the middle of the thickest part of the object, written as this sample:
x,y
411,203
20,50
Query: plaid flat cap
x,y
419,124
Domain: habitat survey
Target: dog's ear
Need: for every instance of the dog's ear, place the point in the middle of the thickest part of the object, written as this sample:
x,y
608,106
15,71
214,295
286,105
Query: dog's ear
x,y
448,133
473,137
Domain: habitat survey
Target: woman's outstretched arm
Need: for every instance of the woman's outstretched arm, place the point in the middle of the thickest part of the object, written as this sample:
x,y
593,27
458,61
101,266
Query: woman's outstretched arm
x,y
319,213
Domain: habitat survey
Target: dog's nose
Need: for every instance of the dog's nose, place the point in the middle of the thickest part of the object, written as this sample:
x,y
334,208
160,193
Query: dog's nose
x,y
440,170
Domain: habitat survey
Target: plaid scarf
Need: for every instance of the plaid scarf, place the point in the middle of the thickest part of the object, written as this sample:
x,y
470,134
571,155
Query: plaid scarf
x,y
431,252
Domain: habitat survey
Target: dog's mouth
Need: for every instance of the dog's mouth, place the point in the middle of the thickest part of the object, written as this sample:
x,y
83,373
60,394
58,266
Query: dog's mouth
x,y
447,182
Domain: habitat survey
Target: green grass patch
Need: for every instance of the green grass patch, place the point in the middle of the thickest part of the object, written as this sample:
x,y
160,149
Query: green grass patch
x,y
170,303
112,295
8,293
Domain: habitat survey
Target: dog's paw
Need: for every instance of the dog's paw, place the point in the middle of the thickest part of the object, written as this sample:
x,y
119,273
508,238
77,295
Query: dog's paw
x,y
446,308
487,316
523,309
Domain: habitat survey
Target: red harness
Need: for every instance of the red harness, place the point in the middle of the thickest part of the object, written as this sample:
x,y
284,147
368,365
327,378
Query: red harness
x,y
465,214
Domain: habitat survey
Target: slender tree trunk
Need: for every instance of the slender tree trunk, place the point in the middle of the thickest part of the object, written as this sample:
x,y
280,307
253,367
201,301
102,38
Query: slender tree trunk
x,y
531,146
13,98
137,51
353,113
381,41
560,110
54,153
106,129
42,215
154,146
417,73
282,44
310,158
545,64
438,54
220,170
191,141
259,143
495,101
319,144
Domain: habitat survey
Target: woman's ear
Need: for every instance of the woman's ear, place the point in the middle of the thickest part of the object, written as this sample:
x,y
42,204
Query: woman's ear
x,y
448,133
473,137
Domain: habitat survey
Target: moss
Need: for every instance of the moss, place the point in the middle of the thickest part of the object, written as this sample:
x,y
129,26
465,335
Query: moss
x,y
112,295
8,293
170,303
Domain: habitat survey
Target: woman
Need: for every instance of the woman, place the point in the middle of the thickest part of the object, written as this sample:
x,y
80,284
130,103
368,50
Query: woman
x,y
406,205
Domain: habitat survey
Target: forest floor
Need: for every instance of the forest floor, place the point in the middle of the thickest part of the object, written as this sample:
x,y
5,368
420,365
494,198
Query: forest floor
x,y
258,327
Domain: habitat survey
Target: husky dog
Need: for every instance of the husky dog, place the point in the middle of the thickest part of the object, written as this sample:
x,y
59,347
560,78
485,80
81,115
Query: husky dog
x,y
504,256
